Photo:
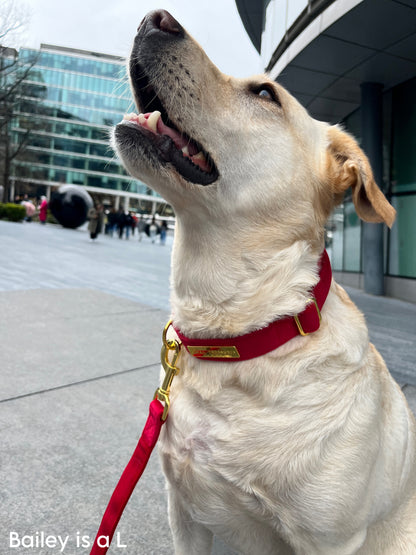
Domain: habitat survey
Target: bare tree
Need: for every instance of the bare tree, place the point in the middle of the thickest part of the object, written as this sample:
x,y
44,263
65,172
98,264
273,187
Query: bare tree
x,y
14,18
14,74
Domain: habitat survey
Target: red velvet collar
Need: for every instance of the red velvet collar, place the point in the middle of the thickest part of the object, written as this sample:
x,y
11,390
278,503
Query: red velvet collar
x,y
260,342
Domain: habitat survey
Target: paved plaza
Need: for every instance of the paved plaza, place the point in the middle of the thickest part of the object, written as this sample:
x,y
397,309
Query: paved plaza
x,y
80,337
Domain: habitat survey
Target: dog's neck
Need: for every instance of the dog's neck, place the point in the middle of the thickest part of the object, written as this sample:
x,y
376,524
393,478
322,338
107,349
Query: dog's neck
x,y
223,287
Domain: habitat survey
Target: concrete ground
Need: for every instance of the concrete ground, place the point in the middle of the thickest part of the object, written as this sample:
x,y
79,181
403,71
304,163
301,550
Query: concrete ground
x,y
80,336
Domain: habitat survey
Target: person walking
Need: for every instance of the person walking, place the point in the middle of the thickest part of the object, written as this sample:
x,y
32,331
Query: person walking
x,y
133,223
141,227
30,210
95,215
112,221
43,210
153,230
121,222
163,232
129,224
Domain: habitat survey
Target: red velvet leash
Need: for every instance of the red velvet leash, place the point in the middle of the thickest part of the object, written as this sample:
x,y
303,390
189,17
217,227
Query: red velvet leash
x,y
158,413
129,478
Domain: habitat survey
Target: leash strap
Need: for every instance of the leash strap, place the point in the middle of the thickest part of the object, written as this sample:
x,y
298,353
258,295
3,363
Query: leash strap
x,y
129,478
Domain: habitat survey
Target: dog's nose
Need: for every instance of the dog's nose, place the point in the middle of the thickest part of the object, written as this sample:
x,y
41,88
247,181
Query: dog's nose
x,y
160,20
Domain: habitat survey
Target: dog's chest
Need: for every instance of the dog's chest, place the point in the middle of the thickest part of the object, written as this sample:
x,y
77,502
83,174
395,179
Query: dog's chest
x,y
229,455
250,457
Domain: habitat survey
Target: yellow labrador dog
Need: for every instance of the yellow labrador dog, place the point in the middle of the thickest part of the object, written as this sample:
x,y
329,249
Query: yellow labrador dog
x,y
304,448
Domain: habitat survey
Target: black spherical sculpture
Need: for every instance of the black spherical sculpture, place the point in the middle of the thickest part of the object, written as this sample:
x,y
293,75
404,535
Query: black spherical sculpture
x,y
70,205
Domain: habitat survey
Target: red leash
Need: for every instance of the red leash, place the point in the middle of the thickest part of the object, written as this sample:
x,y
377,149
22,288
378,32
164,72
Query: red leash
x,y
129,478
135,467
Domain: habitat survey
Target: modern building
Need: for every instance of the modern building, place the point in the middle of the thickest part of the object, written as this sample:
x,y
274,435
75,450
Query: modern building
x,y
70,101
354,62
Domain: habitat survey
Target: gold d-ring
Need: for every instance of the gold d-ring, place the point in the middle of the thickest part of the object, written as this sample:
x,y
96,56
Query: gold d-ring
x,y
299,325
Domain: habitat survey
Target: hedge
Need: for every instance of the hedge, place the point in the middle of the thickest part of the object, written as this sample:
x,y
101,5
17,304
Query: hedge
x,y
12,212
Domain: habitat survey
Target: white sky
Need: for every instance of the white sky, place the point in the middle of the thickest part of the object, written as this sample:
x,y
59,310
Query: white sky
x,y
109,26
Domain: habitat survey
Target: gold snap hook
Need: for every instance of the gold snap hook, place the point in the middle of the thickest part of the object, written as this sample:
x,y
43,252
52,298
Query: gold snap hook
x,y
170,368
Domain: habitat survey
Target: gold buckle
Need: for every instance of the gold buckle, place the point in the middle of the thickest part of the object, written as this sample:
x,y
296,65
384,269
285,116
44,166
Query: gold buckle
x,y
299,325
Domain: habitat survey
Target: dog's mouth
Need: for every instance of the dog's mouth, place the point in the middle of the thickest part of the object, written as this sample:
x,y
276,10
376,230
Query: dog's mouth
x,y
187,156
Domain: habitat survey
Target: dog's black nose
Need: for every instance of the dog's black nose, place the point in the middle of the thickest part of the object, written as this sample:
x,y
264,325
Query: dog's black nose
x,y
160,20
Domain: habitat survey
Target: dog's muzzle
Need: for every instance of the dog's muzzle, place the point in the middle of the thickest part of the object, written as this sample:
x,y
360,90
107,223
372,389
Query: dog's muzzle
x,y
165,93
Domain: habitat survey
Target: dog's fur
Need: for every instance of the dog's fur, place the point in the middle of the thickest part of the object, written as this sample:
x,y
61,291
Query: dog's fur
x,y
311,448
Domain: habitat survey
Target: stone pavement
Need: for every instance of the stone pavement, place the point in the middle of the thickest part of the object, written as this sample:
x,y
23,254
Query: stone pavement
x,y
80,336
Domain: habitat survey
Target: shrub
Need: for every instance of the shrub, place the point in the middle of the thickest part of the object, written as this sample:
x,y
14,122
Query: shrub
x,y
12,212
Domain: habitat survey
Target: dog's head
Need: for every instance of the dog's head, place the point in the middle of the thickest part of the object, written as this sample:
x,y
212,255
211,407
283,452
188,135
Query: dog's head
x,y
225,148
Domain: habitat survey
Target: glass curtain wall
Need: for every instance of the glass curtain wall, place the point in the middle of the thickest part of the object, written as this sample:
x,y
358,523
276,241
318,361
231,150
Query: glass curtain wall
x,y
402,250
71,100
399,185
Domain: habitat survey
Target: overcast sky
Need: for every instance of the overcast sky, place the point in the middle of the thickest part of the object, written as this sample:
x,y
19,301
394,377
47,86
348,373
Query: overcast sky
x,y
109,27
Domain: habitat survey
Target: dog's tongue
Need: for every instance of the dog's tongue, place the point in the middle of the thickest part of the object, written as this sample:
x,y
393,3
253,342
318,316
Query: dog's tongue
x,y
179,140
153,121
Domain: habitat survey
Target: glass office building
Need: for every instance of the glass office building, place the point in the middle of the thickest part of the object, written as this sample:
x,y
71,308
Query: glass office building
x,y
70,101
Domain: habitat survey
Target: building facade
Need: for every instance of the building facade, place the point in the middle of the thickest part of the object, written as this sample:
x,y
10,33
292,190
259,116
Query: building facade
x,y
354,62
70,100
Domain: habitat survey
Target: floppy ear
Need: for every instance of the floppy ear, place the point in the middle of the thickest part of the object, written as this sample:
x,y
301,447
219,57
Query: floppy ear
x,y
349,167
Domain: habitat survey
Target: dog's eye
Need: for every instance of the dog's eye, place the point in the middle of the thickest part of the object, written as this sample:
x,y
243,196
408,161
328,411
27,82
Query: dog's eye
x,y
267,93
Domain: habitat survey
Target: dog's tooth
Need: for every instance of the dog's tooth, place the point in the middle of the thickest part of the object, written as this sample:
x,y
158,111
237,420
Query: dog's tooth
x,y
200,156
185,150
141,118
152,121
129,117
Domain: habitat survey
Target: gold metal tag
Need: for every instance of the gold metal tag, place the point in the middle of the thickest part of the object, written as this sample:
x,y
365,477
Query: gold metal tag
x,y
214,352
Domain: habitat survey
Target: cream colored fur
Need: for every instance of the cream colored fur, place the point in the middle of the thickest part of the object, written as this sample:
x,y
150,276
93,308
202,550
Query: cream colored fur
x,y
311,448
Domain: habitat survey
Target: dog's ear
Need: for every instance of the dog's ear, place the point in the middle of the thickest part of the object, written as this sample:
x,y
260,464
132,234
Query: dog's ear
x,y
349,167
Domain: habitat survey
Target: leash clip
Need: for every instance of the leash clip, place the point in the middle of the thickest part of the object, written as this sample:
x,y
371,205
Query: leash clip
x,y
173,347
